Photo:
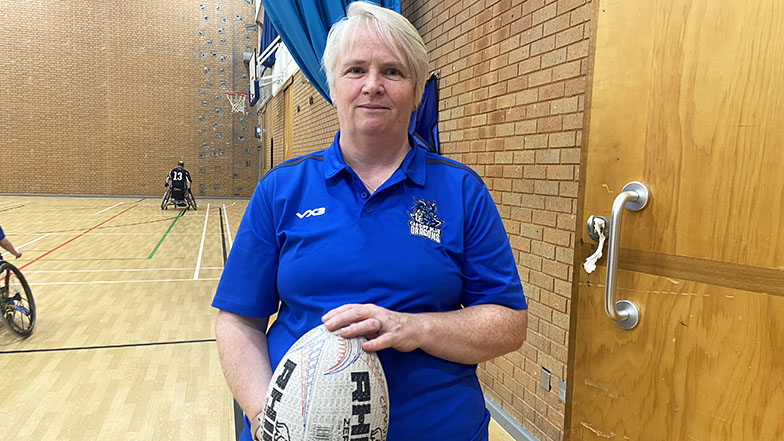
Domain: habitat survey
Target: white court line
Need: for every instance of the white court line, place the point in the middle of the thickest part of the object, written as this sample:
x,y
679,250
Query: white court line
x,y
102,282
228,231
25,244
117,270
34,240
201,246
108,208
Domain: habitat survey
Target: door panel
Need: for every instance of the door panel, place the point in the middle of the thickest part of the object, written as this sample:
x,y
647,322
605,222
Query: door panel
x,y
686,97
705,363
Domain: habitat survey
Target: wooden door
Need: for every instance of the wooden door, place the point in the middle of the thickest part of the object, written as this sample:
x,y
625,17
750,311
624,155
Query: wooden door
x,y
687,96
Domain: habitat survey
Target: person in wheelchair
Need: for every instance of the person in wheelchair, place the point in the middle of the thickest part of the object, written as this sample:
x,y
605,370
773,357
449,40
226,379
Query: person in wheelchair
x,y
179,182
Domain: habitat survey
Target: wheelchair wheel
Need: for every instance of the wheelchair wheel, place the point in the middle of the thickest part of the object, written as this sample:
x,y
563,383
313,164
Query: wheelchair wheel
x,y
165,200
16,299
191,201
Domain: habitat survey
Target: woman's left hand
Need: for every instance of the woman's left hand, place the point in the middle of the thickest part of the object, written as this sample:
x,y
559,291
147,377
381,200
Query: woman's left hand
x,y
382,327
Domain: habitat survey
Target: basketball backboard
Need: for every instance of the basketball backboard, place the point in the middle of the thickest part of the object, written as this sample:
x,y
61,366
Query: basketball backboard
x,y
253,84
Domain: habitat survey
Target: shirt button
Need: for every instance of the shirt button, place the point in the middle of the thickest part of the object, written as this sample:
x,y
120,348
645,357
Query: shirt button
x,y
364,195
368,210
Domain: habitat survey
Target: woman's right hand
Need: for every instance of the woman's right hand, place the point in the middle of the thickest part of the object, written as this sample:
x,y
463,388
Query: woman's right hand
x,y
383,328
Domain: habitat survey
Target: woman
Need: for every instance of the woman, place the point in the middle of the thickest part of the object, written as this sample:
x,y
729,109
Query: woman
x,y
375,236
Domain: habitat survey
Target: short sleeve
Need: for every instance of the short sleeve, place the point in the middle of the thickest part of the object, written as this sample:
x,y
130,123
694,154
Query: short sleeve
x,y
489,269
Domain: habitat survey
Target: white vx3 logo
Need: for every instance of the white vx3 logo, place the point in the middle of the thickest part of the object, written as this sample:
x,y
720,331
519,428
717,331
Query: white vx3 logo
x,y
313,212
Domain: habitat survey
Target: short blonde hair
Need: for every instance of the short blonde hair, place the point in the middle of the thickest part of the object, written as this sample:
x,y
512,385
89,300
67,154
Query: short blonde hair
x,y
394,30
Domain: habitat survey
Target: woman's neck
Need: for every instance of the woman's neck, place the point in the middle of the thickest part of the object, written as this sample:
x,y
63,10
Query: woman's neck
x,y
373,153
374,160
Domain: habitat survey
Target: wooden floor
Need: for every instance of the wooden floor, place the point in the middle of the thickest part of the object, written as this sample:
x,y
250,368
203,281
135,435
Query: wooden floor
x,y
124,346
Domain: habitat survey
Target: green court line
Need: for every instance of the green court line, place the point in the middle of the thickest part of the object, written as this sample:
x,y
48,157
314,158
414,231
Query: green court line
x,y
129,258
165,234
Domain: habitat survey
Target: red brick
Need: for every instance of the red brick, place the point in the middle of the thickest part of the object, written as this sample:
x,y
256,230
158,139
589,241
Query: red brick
x,y
564,71
549,124
551,91
553,57
557,24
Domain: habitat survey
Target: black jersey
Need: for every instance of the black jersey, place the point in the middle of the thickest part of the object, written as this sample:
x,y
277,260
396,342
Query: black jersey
x,y
179,176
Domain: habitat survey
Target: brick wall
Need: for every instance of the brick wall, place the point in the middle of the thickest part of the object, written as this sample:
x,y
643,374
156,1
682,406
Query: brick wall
x,y
512,82
105,97
272,124
315,122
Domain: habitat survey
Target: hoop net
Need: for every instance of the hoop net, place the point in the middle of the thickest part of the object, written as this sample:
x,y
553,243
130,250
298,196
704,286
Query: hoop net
x,y
237,100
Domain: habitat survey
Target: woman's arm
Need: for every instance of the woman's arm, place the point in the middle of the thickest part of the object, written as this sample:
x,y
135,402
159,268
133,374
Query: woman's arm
x,y
470,335
242,347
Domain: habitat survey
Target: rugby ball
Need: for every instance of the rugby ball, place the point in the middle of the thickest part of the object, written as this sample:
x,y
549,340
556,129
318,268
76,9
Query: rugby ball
x,y
326,388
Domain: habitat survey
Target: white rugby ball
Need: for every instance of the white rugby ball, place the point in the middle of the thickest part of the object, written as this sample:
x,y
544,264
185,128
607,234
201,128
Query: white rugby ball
x,y
326,388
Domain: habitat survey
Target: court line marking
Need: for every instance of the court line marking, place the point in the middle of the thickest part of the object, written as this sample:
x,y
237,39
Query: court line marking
x,y
25,244
201,246
119,270
226,219
140,233
74,238
12,202
234,215
112,282
34,240
165,234
11,208
117,346
108,208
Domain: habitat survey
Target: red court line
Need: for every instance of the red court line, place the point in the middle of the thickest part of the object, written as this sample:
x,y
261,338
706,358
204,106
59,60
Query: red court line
x,y
73,239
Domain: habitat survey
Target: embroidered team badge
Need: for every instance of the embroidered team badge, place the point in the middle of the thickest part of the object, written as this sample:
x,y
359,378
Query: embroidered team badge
x,y
424,220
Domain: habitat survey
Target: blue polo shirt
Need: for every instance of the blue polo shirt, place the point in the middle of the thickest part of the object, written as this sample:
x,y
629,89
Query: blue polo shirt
x,y
430,239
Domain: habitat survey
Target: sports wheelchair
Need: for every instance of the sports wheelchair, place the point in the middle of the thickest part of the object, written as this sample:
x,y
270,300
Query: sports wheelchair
x,y
16,300
179,197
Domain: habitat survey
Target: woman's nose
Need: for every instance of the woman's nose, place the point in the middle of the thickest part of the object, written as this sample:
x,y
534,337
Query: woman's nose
x,y
373,83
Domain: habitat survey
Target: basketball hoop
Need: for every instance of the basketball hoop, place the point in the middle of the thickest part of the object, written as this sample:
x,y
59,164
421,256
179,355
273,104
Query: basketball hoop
x,y
237,100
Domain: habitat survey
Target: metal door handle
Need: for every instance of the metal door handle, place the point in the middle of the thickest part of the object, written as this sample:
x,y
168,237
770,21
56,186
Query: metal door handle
x,y
633,196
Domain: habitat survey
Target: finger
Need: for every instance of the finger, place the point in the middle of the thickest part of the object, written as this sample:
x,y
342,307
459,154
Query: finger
x,y
347,317
337,311
350,314
370,327
381,342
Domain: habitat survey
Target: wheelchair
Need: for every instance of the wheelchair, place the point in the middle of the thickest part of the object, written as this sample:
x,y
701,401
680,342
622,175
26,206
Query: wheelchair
x,y
180,197
16,300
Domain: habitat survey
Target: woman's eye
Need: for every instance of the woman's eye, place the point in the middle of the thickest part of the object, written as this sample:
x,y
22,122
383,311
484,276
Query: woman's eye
x,y
355,70
394,72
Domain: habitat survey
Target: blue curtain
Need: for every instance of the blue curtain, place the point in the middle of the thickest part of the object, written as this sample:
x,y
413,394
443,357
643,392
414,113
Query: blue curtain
x,y
424,120
303,27
268,35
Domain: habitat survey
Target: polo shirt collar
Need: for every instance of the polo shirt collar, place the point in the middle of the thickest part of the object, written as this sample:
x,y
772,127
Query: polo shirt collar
x,y
413,165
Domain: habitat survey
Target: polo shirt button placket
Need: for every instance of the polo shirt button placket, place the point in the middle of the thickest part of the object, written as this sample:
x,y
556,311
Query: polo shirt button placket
x,y
364,195
368,210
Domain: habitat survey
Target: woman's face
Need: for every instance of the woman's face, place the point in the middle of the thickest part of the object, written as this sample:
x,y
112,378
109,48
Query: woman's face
x,y
373,90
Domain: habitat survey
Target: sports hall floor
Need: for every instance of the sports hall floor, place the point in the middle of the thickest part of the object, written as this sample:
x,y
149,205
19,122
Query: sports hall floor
x,y
124,346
